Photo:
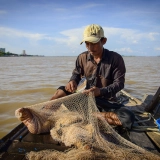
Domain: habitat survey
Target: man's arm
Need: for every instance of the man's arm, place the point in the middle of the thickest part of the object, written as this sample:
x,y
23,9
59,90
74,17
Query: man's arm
x,y
77,72
118,76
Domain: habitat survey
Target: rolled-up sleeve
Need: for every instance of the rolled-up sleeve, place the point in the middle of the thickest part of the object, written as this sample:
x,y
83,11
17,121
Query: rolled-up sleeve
x,y
77,72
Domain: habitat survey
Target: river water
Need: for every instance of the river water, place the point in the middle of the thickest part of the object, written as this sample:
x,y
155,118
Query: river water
x,y
30,80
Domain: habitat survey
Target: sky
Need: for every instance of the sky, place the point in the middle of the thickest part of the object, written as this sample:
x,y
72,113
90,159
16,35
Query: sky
x,y
55,27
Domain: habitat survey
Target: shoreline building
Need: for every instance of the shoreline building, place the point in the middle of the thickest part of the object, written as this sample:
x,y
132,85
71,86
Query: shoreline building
x,y
2,50
24,53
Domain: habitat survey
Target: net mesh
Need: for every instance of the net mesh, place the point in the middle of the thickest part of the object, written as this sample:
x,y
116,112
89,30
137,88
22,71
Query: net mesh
x,y
75,121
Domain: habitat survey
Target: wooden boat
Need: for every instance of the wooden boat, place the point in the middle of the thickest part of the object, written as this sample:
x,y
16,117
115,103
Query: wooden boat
x,y
145,133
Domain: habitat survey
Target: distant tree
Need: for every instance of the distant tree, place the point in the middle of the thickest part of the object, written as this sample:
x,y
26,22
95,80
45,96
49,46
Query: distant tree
x,y
2,53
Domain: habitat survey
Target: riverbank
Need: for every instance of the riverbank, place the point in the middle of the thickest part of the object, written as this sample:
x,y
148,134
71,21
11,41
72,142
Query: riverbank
x,y
8,54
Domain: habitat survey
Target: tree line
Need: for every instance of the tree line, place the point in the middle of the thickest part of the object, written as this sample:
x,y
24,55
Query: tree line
x,y
3,54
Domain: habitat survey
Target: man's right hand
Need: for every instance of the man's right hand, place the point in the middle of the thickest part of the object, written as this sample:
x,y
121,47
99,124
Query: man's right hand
x,y
71,86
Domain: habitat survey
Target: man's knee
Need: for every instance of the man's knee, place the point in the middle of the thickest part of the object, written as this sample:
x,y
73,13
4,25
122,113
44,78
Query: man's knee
x,y
58,94
126,117
61,92
111,118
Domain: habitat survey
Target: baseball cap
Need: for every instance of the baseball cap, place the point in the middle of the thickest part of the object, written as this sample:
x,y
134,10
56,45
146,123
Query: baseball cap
x,y
92,33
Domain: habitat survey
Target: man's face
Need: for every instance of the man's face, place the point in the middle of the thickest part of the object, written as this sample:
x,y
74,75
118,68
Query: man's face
x,y
95,49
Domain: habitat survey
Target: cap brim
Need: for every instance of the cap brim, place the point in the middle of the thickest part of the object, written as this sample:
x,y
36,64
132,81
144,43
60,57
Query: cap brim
x,y
91,39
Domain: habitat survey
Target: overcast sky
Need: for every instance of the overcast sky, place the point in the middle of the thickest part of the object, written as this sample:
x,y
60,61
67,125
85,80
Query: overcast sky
x,y
55,27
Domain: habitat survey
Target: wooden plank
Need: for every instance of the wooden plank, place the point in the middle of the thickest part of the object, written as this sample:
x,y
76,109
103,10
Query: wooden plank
x,y
155,137
4,146
16,134
16,131
22,134
3,155
39,138
135,100
24,147
13,157
152,105
141,139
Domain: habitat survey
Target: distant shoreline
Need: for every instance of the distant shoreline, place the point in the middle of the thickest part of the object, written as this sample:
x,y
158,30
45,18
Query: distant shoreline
x,y
8,54
16,55
22,56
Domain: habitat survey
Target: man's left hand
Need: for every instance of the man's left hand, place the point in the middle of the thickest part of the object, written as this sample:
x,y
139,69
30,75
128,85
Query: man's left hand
x,y
96,91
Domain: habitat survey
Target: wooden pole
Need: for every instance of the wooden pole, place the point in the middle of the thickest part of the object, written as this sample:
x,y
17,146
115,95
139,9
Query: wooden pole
x,y
152,105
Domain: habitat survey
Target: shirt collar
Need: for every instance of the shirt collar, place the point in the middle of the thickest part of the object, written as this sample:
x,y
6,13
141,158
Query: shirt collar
x,y
89,57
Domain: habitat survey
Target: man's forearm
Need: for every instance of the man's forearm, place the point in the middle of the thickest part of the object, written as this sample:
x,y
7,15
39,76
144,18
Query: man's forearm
x,y
76,78
111,90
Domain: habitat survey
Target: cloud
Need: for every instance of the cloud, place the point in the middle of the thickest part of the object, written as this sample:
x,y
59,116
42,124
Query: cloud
x,y
130,35
9,32
73,36
157,49
60,9
68,17
90,5
116,35
127,50
153,35
119,39
2,12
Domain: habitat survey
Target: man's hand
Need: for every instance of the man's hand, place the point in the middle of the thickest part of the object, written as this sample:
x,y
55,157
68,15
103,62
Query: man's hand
x,y
96,91
71,86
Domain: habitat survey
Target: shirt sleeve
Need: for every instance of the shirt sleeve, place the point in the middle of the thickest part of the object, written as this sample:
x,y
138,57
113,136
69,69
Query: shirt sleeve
x,y
77,72
118,77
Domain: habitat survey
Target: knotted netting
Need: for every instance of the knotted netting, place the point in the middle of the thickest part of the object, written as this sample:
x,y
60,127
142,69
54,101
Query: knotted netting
x,y
76,121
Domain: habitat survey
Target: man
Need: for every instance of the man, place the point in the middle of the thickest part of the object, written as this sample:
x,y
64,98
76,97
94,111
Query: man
x,y
104,71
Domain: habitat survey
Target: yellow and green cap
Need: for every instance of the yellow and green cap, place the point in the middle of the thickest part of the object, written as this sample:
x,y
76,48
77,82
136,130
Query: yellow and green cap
x,y
92,33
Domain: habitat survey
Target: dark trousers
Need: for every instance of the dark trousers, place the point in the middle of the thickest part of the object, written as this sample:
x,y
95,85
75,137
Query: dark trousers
x,y
125,116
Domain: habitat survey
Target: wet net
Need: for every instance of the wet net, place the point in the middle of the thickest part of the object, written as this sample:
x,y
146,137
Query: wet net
x,y
75,121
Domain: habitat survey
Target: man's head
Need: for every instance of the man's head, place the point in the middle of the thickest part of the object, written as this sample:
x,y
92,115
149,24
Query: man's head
x,y
94,39
93,33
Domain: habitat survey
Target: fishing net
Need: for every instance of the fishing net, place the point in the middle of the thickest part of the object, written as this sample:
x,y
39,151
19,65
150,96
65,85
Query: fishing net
x,y
75,121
